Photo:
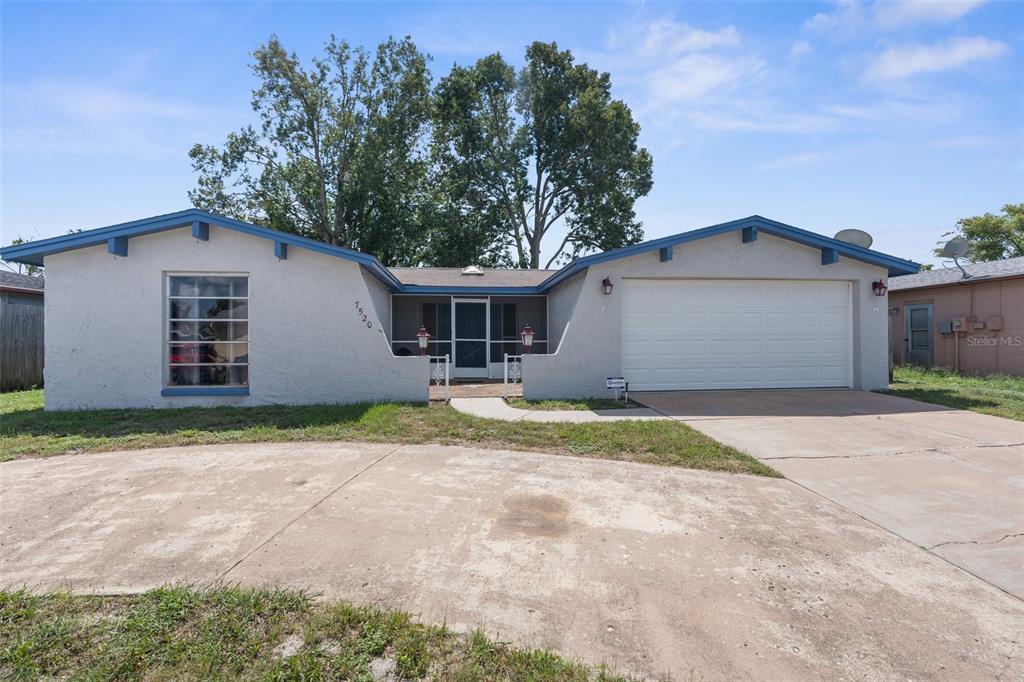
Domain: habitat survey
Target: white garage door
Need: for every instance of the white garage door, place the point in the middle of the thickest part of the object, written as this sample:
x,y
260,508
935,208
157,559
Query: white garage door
x,y
703,334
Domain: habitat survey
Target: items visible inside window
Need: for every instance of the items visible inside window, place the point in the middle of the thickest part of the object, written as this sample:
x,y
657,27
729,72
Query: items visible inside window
x,y
208,331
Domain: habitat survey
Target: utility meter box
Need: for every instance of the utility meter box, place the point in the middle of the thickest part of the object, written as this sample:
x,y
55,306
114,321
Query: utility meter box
x,y
995,323
959,324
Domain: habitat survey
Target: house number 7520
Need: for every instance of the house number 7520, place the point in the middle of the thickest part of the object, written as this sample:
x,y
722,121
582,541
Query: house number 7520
x,y
362,314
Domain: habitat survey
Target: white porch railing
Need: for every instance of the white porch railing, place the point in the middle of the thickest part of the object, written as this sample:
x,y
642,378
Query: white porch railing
x,y
440,370
513,371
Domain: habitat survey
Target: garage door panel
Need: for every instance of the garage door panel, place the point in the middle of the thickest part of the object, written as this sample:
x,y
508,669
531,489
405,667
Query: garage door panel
x,y
770,334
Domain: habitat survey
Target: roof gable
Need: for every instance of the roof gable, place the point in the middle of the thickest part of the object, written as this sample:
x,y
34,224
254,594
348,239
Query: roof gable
x,y
33,252
115,235
895,266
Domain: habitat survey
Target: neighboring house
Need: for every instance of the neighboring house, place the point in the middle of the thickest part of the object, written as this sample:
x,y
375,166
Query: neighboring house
x,y
973,325
21,331
17,289
193,308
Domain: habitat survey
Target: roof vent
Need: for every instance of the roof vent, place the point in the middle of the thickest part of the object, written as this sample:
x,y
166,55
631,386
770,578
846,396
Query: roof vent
x,y
472,270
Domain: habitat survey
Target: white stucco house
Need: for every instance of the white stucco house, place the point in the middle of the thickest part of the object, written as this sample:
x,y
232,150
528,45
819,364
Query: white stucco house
x,y
193,308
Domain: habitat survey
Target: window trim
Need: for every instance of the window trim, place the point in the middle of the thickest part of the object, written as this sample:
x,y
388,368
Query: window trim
x,y
169,390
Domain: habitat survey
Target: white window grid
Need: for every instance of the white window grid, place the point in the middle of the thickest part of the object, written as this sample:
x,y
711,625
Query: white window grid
x,y
168,320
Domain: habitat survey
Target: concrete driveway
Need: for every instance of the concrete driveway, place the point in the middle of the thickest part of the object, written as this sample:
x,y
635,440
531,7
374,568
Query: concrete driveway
x,y
950,481
652,570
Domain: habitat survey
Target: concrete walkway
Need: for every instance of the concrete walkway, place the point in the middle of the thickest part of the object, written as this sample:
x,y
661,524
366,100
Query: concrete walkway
x,y
497,408
950,481
654,570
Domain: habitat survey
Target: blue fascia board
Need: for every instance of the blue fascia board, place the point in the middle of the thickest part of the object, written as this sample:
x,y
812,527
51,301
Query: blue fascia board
x,y
895,266
187,391
33,252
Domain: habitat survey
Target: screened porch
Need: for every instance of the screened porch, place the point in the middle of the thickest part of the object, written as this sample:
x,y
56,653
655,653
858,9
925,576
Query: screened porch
x,y
475,331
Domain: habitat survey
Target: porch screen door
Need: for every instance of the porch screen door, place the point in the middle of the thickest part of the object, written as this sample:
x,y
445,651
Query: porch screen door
x,y
470,338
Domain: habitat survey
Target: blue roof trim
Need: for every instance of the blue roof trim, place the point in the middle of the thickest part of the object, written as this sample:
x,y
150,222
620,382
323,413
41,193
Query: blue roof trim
x,y
896,266
33,252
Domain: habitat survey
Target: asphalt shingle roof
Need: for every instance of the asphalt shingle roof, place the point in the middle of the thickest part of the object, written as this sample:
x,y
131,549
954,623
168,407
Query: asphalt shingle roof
x,y
1010,267
453,277
13,279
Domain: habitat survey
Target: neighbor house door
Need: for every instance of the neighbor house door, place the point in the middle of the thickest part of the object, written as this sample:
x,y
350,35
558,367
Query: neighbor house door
x,y
470,350
918,333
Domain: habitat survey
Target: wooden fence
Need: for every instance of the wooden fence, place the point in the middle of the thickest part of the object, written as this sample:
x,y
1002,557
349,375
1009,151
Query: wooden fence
x,y
21,346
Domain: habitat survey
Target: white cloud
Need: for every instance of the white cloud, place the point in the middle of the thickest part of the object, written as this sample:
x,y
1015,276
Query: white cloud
x,y
902,62
896,14
853,17
799,49
667,37
71,117
848,18
696,76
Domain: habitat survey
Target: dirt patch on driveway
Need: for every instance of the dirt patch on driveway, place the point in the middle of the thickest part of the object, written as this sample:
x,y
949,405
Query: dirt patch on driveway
x,y
652,570
540,515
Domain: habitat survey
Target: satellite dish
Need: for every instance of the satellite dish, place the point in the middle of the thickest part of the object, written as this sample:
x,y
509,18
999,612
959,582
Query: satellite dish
x,y
955,248
856,237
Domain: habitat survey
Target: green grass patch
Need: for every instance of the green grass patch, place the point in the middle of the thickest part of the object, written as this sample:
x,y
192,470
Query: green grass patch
x,y
573,405
999,395
236,633
27,431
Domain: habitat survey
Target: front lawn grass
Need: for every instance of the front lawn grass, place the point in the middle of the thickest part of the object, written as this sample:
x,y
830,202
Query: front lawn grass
x,y
176,633
27,431
572,405
999,395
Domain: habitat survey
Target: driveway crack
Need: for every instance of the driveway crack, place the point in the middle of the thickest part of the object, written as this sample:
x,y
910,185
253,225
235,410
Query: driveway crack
x,y
316,504
976,542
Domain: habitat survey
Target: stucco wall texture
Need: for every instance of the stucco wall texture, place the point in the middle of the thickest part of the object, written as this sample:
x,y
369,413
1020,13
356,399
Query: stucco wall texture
x,y
105,317
590,348
982,350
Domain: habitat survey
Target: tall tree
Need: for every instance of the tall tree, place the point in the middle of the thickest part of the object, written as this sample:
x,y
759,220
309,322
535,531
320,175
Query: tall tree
x,y
341,152
543,145
992,237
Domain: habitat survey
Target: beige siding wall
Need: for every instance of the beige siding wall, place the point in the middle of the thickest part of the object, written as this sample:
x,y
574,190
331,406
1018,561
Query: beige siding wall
x,y
980,350
105,344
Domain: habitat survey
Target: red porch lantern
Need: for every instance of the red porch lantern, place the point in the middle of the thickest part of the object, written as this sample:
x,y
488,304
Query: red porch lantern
x,y
606,286
879,288
527,335
423,338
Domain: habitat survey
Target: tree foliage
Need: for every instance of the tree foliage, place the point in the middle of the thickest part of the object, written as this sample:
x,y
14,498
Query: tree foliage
x,y
356,150
340,154
528,149
992,237
23,268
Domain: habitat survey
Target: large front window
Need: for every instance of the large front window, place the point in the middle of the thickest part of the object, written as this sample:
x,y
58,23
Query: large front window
x,y
207,330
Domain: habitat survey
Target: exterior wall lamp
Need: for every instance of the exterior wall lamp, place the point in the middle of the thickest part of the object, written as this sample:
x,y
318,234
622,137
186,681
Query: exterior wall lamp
x,y
423,338
606,285
879,288
527,335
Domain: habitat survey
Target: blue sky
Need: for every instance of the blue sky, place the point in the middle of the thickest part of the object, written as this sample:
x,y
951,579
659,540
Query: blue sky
x,y
895,118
